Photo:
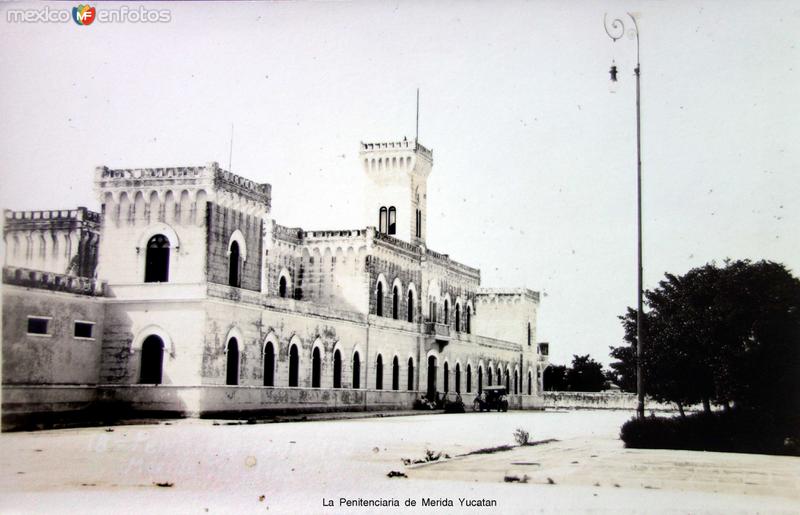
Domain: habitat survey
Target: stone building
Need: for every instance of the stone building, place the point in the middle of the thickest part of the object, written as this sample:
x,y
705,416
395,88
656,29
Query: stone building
x,y
184,295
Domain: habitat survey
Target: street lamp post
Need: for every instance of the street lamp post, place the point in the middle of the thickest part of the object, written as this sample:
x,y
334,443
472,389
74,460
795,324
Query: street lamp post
x,y
615,31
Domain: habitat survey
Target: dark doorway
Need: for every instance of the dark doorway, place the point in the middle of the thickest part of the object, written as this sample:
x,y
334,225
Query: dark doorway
x,y
458,377
232,375
410,374
337,369
379,373
356,370
530,383
395,374
156,268
152,360
269,365
446,375
316,368
469,378
294,366
431,376
480,379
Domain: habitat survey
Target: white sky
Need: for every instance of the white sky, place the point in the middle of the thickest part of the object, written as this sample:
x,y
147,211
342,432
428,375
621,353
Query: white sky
x,y
534,157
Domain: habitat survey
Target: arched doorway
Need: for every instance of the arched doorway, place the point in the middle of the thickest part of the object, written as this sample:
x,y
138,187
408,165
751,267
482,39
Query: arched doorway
x,y
508,381
431,376
316,368
458,377
152,360
530,383
410,374
269,365
480,379
395,374
489,377
379,373
294,366
516,382
337,369
356,370
469,378
156,268
232,370
446,375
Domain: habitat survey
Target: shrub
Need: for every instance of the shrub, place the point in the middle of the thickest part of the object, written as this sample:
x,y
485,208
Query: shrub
x,y
728,431
521,436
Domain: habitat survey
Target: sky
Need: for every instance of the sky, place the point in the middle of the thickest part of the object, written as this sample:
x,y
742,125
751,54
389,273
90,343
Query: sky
x,y
534,176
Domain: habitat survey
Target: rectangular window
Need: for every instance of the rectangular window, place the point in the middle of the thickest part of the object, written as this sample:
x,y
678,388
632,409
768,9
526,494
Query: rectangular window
x,y
84,329
38,325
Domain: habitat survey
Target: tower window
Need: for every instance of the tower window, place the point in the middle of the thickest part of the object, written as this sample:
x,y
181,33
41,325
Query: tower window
x,y
382,221
234,266
157,260
392,220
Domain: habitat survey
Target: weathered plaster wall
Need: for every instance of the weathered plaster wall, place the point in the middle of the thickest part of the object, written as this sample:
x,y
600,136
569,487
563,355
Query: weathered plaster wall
x,y
222,222
56,358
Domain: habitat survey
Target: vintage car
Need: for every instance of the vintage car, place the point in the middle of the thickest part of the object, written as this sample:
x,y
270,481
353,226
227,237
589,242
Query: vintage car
x,y
492,397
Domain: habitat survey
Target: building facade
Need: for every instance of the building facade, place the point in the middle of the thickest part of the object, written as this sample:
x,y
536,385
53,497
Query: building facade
x,y
184,294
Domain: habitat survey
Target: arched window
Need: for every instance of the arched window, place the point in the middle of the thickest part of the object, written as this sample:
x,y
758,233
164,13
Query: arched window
x,y
337,369
530,383
379,300
458,317
294,366
269,365
508,381
469,378
468,321
410,305
446,312
382,220
395,302
234,265
379,373
156,268
446,375
458,377
232,370
489,377
395,374
356,370
392,220
282,288
480,379
529,333
431,376
516,382
499,376
152,360
316,368
410,374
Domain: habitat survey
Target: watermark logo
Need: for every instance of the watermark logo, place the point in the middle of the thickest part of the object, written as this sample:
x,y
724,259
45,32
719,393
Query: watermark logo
x,y
84,14
87,15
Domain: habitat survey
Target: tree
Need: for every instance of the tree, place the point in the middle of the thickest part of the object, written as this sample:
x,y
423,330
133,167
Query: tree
x,y
585,375
726,335
555,378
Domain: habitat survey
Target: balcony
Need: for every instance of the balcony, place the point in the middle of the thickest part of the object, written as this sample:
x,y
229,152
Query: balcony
x,y
436,334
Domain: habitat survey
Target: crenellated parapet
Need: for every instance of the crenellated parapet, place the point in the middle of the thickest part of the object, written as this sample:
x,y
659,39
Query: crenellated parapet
x,y
177,193
51,281
61,241
497,295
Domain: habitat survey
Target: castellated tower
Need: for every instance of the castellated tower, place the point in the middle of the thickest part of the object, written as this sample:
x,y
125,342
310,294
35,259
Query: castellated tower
x,y
396,195
180,213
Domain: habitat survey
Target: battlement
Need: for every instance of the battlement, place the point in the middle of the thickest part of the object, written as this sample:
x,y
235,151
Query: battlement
x,y
50,219
404,145
508,292
207,176
51,281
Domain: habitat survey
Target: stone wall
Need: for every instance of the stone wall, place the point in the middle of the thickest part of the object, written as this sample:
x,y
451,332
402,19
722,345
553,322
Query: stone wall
x,y
221,224
600,400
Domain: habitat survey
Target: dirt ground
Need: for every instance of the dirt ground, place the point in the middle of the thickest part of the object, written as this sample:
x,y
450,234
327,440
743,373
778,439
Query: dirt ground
x,y
202,466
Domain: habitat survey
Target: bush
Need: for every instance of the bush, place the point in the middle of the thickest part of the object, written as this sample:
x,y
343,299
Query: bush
x,y
521,436
728,431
